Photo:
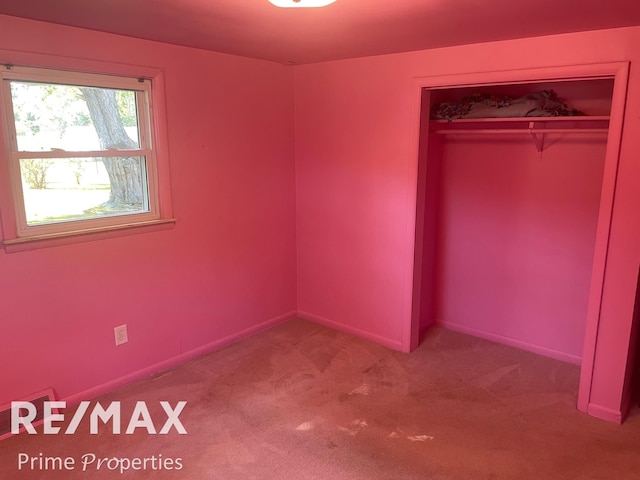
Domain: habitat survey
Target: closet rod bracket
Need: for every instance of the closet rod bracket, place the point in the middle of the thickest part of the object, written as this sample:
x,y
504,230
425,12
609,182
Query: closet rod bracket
x,y
538,138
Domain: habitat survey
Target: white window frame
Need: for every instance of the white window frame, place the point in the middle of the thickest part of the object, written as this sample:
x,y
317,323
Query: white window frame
x,y
14,221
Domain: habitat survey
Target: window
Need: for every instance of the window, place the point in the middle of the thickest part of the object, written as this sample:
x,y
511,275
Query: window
x,y
80,153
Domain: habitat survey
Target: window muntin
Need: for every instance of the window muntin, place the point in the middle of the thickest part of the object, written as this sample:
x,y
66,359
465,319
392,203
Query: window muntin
x,y
79,150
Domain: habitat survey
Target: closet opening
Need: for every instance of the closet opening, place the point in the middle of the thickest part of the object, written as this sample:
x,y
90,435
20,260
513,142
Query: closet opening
x,y
513,209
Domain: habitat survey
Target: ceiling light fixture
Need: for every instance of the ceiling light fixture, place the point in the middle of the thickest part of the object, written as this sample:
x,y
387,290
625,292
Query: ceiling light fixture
x,y
301,3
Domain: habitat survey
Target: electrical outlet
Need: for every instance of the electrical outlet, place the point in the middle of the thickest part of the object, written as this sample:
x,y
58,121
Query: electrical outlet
x,y
121,334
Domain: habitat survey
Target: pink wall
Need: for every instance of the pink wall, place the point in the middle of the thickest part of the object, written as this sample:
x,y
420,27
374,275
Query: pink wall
x,y
352,184
516,236
356,167
226,269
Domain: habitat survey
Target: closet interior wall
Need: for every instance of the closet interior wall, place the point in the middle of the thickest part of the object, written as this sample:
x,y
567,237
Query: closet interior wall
x,y
509,232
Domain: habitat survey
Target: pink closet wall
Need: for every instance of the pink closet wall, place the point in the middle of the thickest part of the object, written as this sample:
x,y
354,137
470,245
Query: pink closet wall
x,y
515,239
225,270
356,167
515,228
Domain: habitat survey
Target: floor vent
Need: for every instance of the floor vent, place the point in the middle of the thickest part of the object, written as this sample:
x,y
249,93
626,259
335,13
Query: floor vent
x,y
37,399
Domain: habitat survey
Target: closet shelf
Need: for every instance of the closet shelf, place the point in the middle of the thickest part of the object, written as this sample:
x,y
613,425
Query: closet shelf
x,y
537,127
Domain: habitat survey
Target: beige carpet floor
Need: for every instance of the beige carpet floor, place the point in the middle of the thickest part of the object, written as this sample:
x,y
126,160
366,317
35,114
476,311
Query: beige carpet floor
x,y
302,401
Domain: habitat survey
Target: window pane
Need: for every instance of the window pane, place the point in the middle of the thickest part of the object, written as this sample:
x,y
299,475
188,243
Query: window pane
x,y
71,118
63,189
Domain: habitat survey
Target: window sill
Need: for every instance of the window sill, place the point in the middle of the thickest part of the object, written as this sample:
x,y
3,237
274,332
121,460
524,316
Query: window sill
x,y
22,244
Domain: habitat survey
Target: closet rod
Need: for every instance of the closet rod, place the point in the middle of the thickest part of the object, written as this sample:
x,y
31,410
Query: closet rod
x,y
521,130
